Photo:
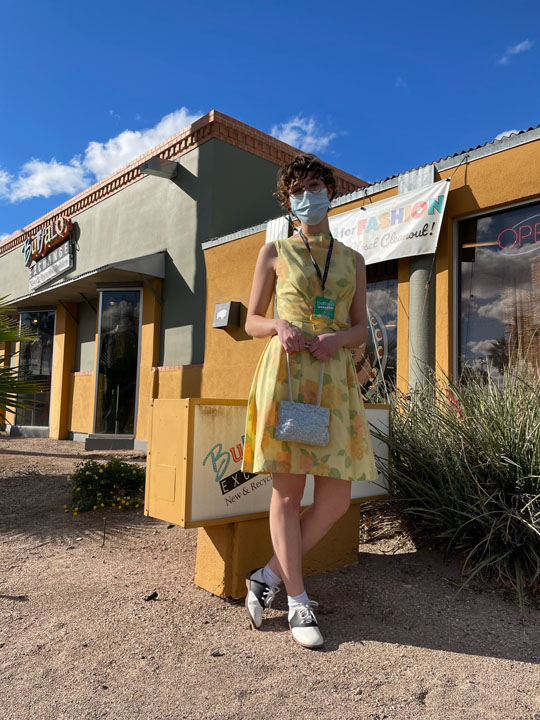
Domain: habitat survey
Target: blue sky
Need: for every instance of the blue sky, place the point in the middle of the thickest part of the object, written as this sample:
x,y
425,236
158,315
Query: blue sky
x,y
373,88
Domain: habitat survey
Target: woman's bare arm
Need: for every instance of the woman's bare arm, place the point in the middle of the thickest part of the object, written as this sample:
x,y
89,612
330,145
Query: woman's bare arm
x,y
257,324
356,335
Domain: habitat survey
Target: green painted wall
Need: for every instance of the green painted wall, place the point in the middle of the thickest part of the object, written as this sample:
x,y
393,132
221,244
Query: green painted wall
x,y
14,275
219,189
244,187
233,189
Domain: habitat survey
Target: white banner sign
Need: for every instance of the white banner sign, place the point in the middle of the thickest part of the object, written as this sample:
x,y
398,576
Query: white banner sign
x,y
402,226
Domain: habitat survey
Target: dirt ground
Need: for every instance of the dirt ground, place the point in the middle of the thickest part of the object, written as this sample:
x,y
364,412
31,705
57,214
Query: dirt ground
x,y
78,640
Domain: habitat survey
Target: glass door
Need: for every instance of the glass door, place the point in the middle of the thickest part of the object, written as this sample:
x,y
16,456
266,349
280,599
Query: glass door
x,y
118,362
35,362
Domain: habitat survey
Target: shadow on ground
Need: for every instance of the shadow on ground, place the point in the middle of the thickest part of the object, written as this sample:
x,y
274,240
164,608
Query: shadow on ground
x,y
32,498
412,599
409,599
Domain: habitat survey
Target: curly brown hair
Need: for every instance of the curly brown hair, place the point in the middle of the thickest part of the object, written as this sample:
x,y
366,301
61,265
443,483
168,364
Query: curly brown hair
x,y
299,168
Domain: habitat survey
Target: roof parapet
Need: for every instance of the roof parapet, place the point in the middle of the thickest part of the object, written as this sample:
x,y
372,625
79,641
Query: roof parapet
x,y
212,125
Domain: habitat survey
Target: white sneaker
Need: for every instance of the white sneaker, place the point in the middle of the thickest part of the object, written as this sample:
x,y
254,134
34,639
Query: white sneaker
x,y
259,596
304,627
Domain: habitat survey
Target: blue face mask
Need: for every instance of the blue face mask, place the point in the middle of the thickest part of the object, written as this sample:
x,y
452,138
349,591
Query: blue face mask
x,y
311,207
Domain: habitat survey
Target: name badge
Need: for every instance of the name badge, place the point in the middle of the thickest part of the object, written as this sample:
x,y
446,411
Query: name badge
x,y
324,307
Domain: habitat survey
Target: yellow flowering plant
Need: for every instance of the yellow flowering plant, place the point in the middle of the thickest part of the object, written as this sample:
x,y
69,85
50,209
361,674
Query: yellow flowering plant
x,y
116,484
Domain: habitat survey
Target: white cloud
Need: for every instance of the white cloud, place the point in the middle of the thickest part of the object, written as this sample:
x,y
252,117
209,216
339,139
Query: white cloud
x,y
484,229
483,347
5,179
401,83
104,158
506,133
3,236
486,284
39,178
303,133
381,301
498,309
43,179
514,50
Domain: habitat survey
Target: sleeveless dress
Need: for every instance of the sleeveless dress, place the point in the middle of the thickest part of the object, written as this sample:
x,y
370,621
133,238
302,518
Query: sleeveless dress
x,y
349,454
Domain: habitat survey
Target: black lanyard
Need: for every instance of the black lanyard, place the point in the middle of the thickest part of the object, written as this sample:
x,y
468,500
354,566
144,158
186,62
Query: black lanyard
x,y
322,278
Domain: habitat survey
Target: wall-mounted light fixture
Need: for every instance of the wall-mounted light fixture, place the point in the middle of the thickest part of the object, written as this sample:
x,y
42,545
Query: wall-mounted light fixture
x,y
160,168
227,315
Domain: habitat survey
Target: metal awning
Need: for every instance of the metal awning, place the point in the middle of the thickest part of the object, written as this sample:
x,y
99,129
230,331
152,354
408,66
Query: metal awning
x,y
74,288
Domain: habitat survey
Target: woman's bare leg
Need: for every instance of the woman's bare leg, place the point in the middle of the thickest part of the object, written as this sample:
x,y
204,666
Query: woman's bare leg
x,y
285,529
332,497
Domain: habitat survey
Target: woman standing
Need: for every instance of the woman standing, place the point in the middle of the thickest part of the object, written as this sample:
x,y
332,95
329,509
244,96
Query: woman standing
x,y
320,287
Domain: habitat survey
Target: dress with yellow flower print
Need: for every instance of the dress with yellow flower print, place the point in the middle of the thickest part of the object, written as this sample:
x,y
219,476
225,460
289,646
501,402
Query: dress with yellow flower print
x,y
349,454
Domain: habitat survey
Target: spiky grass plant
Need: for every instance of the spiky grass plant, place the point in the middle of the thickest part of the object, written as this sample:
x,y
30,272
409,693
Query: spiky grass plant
x,y
466,466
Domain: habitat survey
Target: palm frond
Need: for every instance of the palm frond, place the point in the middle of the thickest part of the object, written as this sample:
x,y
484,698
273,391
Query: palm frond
x,y
17,389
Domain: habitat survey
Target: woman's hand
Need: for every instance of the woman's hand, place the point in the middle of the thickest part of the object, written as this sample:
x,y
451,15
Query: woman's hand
x,y
290,337
325,346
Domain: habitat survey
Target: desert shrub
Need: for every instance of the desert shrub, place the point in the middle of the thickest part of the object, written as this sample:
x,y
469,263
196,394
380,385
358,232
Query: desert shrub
x,y
116,484
466,466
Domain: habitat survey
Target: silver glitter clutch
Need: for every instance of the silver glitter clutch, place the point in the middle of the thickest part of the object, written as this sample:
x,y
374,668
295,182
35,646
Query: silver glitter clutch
x,y
302,422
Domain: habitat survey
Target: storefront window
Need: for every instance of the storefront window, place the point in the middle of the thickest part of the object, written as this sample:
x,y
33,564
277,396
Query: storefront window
x,y
500,290
35,362
118,353
376,364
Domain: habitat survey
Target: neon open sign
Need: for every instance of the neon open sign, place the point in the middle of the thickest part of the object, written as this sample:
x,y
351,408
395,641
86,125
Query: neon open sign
x,y
522,238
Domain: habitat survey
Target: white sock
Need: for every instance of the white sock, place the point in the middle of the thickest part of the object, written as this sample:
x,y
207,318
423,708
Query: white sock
x,y
269,577
296,601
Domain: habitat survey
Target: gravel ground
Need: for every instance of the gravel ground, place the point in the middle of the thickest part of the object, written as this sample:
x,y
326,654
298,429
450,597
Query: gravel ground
x,y
79,640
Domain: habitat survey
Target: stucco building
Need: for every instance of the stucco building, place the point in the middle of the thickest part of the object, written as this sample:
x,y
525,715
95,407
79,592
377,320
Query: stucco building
x,y
151,260
113,280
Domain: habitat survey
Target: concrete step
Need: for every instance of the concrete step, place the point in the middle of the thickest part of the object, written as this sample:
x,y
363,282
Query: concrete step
x,y
109,442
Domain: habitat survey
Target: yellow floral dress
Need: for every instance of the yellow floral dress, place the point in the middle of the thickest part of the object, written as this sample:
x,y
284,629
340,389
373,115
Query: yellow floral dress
x,y
349,455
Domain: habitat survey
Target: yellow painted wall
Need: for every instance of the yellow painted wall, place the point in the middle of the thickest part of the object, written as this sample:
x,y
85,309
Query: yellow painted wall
x,y
444,301
82,402
489,183
402,372
182,381
485,184
14,362
80,418
367,201
230,357
65,337
5,353
149,356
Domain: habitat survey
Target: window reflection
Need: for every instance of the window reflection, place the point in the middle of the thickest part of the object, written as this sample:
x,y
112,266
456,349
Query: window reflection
x,y
118,352
500,290
376,363
35,362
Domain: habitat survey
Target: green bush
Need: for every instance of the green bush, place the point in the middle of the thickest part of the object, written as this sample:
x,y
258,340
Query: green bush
x,y
466,466
116,484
